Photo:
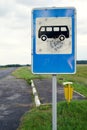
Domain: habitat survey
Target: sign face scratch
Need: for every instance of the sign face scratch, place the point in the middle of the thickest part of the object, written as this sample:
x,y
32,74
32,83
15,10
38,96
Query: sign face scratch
x,y
53,39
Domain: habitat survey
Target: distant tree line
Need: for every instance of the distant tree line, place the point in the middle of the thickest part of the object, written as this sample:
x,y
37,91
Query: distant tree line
x,y
82,62
14,65
19,65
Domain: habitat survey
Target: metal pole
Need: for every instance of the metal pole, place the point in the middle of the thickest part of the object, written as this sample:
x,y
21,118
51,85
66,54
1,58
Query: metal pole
x,y
54,102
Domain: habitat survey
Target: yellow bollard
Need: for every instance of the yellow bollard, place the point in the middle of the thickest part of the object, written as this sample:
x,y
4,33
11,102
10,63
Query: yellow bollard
x,y
68,91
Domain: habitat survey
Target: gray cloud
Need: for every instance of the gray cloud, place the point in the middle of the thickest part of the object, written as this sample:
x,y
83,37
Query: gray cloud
x,y
6,7
15,28
16,18
35,2
3,12
82,31
82,26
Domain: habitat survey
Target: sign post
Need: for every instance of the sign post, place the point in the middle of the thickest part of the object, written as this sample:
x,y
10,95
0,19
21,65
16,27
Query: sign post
x,y
53,45
54,102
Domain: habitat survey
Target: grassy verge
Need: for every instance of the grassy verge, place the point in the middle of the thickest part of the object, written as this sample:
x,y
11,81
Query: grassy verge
x,y
3,68
79,79
25,73
70,117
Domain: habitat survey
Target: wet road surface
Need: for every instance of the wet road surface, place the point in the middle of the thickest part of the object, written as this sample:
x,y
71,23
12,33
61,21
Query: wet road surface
x,y
15,100
6,71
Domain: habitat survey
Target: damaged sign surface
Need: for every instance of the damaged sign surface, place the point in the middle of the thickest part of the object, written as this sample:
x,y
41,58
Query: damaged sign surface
x,y
53,40
53,35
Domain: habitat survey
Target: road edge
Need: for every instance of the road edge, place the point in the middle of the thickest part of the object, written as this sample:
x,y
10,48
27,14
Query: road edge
x,y
36,98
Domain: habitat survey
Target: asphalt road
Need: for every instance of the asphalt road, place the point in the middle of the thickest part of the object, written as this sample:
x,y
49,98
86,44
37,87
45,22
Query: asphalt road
x,y
15,100
7,71
44,89
16,97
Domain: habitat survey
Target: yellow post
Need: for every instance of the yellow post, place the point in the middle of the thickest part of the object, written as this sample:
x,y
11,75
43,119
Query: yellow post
x,y
68,91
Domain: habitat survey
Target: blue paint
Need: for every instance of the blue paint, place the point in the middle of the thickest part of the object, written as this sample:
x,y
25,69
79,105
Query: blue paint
x,y
53,63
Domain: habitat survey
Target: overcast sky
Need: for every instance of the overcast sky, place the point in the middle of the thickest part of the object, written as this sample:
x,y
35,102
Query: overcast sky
x,y
15,28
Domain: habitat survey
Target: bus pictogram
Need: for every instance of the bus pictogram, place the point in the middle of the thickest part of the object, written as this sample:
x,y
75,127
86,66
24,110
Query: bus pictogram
x,y
60,32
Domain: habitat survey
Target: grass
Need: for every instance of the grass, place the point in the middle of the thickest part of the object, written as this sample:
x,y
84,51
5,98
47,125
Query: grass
x,y
80,76
25,73
3,68
79,79
70,117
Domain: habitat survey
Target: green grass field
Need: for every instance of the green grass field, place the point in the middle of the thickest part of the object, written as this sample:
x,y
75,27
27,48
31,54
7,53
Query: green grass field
x,y
79,79
3,68
71,116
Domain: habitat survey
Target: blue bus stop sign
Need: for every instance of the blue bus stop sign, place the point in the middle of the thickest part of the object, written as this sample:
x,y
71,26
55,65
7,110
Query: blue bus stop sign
x,y
53,40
